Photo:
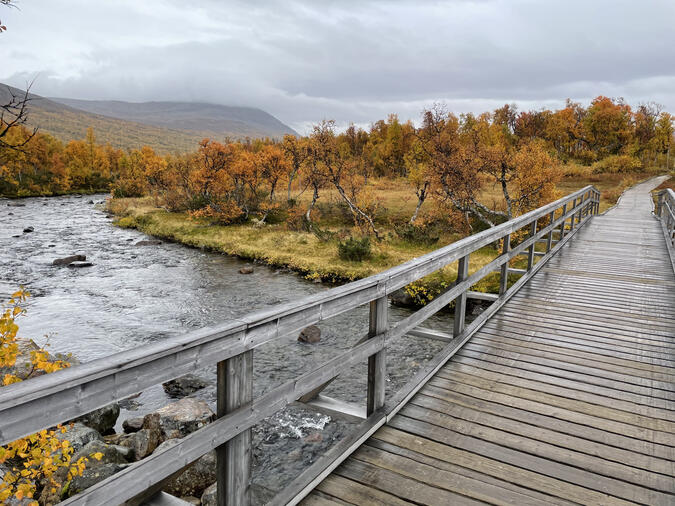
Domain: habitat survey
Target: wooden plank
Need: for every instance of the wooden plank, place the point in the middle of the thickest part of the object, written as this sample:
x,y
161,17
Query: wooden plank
x,y
460,301
401,486
353,492
496,468
616,488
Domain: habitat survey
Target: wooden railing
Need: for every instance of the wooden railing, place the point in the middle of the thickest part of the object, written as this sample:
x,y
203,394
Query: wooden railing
x,y
45,401
666,213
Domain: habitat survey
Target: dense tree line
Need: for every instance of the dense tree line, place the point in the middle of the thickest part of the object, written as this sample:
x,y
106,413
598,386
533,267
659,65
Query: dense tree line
x,y
448,158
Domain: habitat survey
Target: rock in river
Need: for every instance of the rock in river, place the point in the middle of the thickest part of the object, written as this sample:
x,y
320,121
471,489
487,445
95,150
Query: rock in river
x,y
311,334
103,419
28,230
180,418
246,270
152,242
69,260
183,386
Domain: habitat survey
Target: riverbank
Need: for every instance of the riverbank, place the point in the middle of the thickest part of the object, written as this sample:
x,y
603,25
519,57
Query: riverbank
x,y
301,252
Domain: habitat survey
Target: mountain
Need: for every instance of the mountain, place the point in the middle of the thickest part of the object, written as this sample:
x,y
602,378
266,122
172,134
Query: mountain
x,y
165,126
191,116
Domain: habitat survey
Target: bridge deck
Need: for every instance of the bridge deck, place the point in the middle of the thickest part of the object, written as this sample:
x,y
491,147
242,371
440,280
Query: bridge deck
x,y
566,395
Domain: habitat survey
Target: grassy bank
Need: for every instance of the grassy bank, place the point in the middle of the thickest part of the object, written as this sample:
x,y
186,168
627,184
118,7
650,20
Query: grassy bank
x,y
317,259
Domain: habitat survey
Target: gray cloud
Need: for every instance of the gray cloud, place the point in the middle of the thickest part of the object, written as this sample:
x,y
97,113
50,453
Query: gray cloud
x,y
304,61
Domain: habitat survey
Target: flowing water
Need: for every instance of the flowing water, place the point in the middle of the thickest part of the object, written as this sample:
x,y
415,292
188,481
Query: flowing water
x,y
134,295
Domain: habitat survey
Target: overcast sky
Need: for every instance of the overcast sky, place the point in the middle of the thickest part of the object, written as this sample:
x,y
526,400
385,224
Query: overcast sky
x,y
350,60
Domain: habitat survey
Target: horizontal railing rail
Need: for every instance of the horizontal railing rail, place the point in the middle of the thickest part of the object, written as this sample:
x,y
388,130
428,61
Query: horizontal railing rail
x,y
666,212
43,402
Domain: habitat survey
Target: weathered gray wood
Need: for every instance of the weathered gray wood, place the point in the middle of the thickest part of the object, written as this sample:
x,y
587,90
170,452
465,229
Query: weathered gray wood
x,y
430,334
530,250
504,278
460,301
337,408
549,238
490,297
234,390
377,365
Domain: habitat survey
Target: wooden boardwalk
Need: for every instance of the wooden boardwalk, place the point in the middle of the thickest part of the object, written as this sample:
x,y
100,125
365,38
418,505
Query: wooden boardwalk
x,y
566,395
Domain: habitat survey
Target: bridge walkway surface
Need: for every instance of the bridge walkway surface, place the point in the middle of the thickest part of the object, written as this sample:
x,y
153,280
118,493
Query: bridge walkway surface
x,y
566,395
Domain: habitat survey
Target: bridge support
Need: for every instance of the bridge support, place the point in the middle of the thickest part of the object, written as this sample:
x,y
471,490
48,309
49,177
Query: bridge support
x,y
460,301
377,363
233,469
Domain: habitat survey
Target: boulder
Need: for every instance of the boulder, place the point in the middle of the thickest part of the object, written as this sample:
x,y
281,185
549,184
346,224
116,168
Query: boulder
x,y
180,418
90,202
28,230
22,367
195,478
94,472
246,270
111,453
68,260
144,441
183,386
15,204
76,265
401,298
152,242
79,435
311,334
132,424
103,419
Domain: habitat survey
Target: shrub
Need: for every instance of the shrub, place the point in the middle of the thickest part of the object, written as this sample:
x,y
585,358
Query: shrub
x,y
617,163
424,235
354,250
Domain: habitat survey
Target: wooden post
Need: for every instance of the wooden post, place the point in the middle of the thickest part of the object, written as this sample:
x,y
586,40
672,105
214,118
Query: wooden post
x,y
504,281
460,301
549,239
562,225
574,214
377,363
530,250
233,470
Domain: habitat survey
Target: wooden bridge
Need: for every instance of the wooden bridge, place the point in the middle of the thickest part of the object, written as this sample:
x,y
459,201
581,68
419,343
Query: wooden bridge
x,y
561,392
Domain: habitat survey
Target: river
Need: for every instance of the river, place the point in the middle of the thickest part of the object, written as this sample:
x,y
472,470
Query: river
x,y
134,295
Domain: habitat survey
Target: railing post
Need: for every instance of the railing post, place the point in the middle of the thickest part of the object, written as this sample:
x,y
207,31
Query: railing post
x,y
659,205
549,239
377,364
460,301
233,470
504,280
530,250
562,225
574,214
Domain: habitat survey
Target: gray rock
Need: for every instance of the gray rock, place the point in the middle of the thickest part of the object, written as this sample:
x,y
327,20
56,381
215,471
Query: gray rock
x,y
192,500
144,441
180,418
246,270
93,473
15,204
152,242
210,495
75,265
22,368
195,478
28,230
401,298
311,334
79,436
111,453
69,260
103,419
183,386
90,202
132,424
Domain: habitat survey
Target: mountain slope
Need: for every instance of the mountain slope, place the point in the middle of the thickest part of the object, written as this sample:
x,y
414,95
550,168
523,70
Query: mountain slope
x,y
192,116
67,122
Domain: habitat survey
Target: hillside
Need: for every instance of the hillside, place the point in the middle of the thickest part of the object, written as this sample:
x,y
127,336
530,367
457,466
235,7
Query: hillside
x,y
67,122
224,120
